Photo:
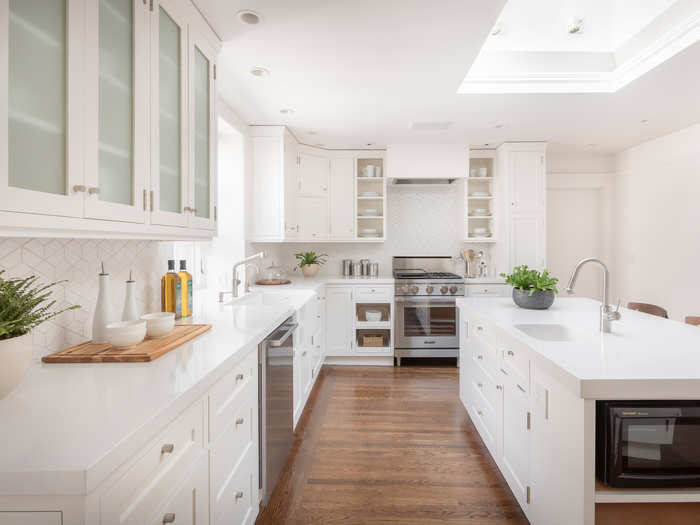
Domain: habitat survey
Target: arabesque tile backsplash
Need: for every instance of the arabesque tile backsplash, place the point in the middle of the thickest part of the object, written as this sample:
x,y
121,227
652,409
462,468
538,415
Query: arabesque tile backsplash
x,y
77,261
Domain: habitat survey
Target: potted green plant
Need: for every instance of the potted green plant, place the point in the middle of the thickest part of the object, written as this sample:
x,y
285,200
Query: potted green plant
x,y
532,289
24,305
309,262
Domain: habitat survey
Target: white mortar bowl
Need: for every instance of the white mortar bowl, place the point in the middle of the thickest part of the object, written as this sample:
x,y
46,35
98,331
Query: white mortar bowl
x,y
159,324
125,334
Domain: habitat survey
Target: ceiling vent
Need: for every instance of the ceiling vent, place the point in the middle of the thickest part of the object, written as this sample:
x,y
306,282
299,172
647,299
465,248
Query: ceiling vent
x,y
430,126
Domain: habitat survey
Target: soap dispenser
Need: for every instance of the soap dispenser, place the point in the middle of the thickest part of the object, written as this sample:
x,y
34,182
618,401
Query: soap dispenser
x,y
130,313
103,312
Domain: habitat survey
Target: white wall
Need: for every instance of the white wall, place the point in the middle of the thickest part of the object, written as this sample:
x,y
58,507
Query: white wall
x,y
657,223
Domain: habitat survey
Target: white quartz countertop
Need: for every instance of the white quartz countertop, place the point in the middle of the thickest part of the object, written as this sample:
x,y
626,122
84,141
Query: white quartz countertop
x,y
644,357
66,427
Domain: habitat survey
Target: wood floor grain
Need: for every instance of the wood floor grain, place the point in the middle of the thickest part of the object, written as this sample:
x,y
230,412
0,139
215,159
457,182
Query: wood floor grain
x,y
380,445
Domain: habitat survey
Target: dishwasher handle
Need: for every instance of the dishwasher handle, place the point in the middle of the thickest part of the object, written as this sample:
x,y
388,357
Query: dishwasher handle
x,y
289,329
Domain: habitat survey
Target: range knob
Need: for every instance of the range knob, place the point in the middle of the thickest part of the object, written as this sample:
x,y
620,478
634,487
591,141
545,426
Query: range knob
x,y
453,290
429,289
443,289
413,290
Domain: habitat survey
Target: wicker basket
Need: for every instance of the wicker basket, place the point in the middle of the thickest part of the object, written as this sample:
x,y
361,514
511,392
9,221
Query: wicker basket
x,y
372,340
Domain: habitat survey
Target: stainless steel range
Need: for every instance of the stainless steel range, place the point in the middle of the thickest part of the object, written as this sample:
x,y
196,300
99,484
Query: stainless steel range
x,y
426,321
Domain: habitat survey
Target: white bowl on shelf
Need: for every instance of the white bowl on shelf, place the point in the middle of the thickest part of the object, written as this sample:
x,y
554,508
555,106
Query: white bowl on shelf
x,y
370,212
475,235
126,334
476,212
159,324
368,231
373,316
369,194
480,194
480,230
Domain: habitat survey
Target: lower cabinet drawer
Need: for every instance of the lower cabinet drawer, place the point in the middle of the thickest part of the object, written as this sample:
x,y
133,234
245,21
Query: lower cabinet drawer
x,y
374,293
227,395
189,505
489,290
485,420
30,518
485,384
145,485
236,500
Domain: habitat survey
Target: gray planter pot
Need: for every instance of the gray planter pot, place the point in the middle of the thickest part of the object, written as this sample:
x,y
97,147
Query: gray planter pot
x,y
540,300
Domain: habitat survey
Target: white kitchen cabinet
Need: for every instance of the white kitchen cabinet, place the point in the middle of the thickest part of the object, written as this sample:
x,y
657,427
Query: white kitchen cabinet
x,y
487,290
341,198
516,437
189,505
527,240
116,114
339,320
526,179
312,218
31,518
314,170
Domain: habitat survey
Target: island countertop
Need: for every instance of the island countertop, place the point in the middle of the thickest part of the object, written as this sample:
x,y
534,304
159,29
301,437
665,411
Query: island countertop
x,y
645,357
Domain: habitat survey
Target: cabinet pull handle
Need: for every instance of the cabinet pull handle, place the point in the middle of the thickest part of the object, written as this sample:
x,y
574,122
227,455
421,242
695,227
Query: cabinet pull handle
x,y
239,421
480,356
78,188
521,388
504,372
239,377
510,352
169,517
167,448
303,353
239,495
480,385
151,200
145,194
479,328
93,191
479,412
499,387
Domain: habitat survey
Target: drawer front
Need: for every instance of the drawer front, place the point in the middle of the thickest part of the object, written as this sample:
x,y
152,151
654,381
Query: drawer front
x,y
516,359
189,505
485,384
227,396
228,452
484,419
485,332
30,518
374,293
238,497
144,486
493,290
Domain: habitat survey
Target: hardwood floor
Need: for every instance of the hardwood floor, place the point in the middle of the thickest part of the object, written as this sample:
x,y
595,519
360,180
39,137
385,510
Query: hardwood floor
x,y
389,445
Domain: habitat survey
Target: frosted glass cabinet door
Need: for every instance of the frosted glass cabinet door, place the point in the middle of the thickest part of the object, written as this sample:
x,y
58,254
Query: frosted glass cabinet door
x,y
116,110
202,133
40,146
168,115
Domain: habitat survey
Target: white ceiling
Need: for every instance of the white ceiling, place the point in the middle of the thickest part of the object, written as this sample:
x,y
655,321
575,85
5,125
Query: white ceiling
x,y
361,71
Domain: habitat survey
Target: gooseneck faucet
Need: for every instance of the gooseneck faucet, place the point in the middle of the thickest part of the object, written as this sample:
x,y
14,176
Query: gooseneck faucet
x,y
236,281
607,315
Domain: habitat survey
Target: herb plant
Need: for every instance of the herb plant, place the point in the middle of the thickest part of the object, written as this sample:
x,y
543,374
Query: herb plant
x,y
532,280
24,304
308,258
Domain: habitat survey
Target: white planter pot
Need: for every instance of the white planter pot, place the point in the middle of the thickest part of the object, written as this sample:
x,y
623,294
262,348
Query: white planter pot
x,y
15,359
309,270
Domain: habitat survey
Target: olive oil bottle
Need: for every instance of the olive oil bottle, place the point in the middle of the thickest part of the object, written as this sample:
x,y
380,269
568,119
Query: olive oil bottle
x,y
170,291
185,288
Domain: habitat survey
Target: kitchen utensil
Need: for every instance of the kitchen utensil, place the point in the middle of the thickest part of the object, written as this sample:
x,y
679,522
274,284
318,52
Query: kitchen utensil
x,y
364,263
148,350
373,316
356,269
125,334
347,267
159,324
374,269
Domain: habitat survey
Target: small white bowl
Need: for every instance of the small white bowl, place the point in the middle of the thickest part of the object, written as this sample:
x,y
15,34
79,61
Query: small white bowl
x,y
373,316
370,211
159,324
125,334
480,230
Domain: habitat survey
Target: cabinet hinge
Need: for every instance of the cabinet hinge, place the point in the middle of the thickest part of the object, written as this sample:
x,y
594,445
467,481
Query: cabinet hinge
x,y
527,494
529,418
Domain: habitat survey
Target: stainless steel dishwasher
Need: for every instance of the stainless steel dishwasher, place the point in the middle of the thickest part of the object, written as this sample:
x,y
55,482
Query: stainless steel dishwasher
x,y
275,404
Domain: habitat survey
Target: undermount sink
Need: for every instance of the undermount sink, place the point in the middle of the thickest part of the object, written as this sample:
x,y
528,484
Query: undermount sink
x,y
550,332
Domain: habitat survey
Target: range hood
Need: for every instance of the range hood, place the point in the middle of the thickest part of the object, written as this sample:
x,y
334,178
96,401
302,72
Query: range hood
x,y
426,164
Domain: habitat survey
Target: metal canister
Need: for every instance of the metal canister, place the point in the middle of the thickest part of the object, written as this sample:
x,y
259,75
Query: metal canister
x,y
356,269
347,267
365,266
374,269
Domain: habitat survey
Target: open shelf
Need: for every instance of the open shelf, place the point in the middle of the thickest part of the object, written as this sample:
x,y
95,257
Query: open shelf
x,y
480,240
364,337
607,494
375,203
370,216
480,198
479,179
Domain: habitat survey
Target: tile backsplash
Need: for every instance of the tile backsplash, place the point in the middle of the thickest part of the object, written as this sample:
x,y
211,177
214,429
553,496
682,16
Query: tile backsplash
x,y
77,261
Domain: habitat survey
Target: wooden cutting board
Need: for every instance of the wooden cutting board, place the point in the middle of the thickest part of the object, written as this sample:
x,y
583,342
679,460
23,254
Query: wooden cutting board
x,y
146,351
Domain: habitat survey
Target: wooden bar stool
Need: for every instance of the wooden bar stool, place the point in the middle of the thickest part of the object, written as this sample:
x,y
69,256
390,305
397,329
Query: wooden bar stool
x,y
693,319
648,309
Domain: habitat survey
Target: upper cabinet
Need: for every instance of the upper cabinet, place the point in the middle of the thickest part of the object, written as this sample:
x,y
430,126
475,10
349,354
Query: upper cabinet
x,y
110,111
302,193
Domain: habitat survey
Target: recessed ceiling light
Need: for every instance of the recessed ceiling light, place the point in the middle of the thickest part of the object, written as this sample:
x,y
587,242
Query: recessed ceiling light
x,y
313,132
370,144
575,26
591,145
430,126
486,144
644,121
260,72
248,17
498,126
286,111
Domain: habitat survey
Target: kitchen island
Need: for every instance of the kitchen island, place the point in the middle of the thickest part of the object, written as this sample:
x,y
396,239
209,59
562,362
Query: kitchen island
x,y
530,381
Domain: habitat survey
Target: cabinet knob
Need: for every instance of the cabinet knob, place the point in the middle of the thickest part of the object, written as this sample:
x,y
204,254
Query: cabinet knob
x,y
93,191
510,352
480,385
169,517
78,188
239,421
499,387
239,377
303,353
167,448
239,495
480,328
480,412
480,356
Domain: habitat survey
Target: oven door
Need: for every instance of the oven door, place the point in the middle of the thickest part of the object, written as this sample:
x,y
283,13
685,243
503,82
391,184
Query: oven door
x,y
653,444
426,322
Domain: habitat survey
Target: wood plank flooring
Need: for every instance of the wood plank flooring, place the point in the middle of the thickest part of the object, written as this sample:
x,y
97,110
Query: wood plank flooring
x,y
379,445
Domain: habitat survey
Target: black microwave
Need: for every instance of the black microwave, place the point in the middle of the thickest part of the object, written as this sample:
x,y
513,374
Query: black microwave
x,y
648,444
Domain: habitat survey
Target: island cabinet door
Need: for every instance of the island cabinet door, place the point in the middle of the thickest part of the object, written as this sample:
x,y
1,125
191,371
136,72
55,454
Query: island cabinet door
x,y
339,320
515,459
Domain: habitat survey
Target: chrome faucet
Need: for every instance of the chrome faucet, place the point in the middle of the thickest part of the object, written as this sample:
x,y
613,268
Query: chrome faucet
x,y
236,281
607,315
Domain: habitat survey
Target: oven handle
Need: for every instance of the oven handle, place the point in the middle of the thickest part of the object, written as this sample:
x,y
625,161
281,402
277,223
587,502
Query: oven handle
x,y
430,299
